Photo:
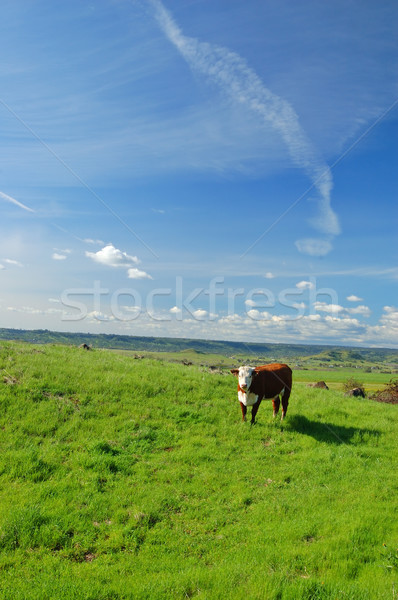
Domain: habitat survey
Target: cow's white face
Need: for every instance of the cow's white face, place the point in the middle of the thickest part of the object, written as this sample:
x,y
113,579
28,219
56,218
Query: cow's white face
x,y
245,377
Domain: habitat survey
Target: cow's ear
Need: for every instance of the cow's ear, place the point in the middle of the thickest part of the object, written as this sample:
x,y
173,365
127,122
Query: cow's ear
x,y
235,372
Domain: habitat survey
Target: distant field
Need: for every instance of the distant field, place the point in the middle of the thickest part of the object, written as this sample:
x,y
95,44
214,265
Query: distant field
x,y
197,358
135,479
334,377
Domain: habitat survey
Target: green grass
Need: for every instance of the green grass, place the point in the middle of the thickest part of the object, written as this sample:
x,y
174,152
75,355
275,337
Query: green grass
x,y
336,377
124,478
196,358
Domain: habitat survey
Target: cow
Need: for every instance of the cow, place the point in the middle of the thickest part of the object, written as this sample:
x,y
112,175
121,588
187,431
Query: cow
x,y
357,392
265,381
85,346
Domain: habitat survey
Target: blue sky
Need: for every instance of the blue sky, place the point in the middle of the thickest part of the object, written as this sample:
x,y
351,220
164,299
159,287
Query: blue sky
x,y
190,168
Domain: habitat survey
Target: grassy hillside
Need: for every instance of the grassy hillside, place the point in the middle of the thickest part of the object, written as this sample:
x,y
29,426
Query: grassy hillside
x,y
124,479
312,354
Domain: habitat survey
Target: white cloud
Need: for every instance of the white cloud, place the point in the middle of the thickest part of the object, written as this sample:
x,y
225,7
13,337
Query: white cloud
x,y
132,309
269,275
386,331
200,313
240,82
2,267
112,257
305,285
280,318
135,273
257,315
254,313
360,310
57,256
175,310
255,326
354,298
97,316
259,327
250,302
299,305
313,246
390,318
329,308
391,310
229,319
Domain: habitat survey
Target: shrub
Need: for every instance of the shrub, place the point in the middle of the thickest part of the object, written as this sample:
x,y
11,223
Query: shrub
x,y
389,394
352,383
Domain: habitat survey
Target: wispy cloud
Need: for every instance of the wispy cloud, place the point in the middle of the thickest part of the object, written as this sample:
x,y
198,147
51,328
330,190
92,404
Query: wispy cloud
x,y
63,250
240,82
378,272
16,202
94,242
31,310
12,262
314,246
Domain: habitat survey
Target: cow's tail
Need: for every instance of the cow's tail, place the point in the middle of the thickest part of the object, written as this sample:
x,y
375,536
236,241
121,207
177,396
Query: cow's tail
x,y
286,393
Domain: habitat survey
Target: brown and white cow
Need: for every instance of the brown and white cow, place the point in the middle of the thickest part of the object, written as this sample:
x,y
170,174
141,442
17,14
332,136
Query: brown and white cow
x,y
266,381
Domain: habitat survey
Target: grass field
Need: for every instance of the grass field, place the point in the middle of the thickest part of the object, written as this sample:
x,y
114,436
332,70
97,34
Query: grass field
x,y
133,479
334,377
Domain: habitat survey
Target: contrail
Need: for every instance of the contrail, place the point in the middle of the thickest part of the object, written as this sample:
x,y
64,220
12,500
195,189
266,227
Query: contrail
x,y
13,201
75,175
234,76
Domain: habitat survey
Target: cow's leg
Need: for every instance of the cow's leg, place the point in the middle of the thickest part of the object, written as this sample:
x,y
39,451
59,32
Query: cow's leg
x,y
285,401
276,402
254,411
244,411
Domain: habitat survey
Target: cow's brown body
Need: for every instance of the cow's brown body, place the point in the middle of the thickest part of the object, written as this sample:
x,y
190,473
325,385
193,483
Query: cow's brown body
x,y
272,381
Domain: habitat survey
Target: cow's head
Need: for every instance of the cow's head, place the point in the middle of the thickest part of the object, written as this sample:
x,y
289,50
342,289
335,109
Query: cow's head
x,y
245,376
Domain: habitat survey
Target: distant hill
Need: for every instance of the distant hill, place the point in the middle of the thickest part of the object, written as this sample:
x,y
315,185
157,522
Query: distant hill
x,y
164,344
